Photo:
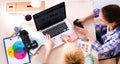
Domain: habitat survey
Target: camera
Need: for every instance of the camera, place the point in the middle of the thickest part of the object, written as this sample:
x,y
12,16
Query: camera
x,y
26,40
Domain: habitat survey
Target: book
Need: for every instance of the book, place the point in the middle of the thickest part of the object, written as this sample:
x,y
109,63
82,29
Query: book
x,y
15,51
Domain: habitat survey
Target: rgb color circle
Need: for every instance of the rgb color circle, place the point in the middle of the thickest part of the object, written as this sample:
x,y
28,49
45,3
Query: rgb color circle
x,y
17,50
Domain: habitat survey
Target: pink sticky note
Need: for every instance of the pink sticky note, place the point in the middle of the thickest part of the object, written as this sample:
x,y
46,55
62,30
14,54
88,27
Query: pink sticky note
x,y
73,36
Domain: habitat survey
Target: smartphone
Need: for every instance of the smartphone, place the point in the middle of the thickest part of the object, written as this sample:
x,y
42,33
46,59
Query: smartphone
x,y
76,23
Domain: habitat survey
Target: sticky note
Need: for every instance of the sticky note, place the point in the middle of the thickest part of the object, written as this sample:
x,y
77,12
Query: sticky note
x,y
73,36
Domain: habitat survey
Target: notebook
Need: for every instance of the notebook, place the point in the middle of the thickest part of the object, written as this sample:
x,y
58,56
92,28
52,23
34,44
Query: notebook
x,y
53,21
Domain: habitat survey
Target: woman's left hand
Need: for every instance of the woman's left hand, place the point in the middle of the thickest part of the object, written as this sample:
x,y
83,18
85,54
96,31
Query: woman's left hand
x,y
85,32
65,38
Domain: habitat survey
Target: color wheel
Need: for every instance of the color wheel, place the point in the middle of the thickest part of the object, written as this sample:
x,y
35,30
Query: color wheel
x,y
17,50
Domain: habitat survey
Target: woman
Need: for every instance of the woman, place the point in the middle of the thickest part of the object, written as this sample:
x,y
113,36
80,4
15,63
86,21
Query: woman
x,y
108,31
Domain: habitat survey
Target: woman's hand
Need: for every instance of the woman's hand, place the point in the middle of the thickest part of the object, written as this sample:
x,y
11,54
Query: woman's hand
x,y
65,38
48,43
82,31
85,32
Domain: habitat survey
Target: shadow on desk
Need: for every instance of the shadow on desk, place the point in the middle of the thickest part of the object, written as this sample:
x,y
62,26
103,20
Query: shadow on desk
x,y
109,61
55,56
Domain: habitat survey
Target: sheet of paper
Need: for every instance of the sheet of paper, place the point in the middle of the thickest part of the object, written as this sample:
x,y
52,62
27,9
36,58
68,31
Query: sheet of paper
x,y
15,51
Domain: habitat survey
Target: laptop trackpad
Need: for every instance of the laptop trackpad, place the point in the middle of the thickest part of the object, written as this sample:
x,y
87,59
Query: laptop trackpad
x,y
58,41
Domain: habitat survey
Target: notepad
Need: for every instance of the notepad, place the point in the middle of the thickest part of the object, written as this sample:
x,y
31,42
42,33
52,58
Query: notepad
x,y
15,51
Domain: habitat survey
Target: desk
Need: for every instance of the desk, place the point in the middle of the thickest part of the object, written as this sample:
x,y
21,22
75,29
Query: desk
x,y
74,9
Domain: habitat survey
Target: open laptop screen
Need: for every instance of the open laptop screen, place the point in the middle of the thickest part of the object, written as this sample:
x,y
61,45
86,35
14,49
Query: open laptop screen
x,y
50,16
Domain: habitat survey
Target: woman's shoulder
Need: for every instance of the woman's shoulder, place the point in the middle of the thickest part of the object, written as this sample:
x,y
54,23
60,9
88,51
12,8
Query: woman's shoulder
x,y
118,28
100,26
116,33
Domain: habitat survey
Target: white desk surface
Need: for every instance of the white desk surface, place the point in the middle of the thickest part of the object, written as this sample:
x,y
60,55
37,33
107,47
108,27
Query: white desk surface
x,y
74,9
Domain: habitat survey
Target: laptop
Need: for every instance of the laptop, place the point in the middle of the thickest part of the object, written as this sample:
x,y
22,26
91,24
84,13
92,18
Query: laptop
x,y
53,21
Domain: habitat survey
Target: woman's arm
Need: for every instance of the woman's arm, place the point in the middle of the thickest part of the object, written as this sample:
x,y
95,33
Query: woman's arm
x,y
91,15
45,59
110,46
48,45
106,49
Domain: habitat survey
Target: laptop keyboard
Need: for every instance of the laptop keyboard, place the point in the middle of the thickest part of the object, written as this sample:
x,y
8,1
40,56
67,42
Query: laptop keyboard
x,y
58,29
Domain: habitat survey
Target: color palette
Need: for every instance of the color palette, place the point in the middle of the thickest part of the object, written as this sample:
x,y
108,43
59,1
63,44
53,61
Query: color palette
x,y
85,46
17,50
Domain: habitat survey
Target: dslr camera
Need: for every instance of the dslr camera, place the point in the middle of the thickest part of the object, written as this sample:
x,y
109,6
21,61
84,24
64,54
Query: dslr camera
x,y
26,40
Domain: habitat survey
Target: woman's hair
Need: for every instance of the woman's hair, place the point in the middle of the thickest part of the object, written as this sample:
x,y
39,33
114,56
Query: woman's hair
x,y
72,54
111,13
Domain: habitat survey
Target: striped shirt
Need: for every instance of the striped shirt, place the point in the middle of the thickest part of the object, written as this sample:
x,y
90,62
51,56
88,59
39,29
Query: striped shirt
x,y
111,40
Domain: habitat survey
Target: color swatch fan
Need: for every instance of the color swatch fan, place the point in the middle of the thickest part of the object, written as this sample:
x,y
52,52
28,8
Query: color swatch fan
x,y
85,46
15,51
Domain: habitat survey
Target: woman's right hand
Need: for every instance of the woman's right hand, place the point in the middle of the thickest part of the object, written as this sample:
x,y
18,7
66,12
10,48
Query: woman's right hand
x,y
48,43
